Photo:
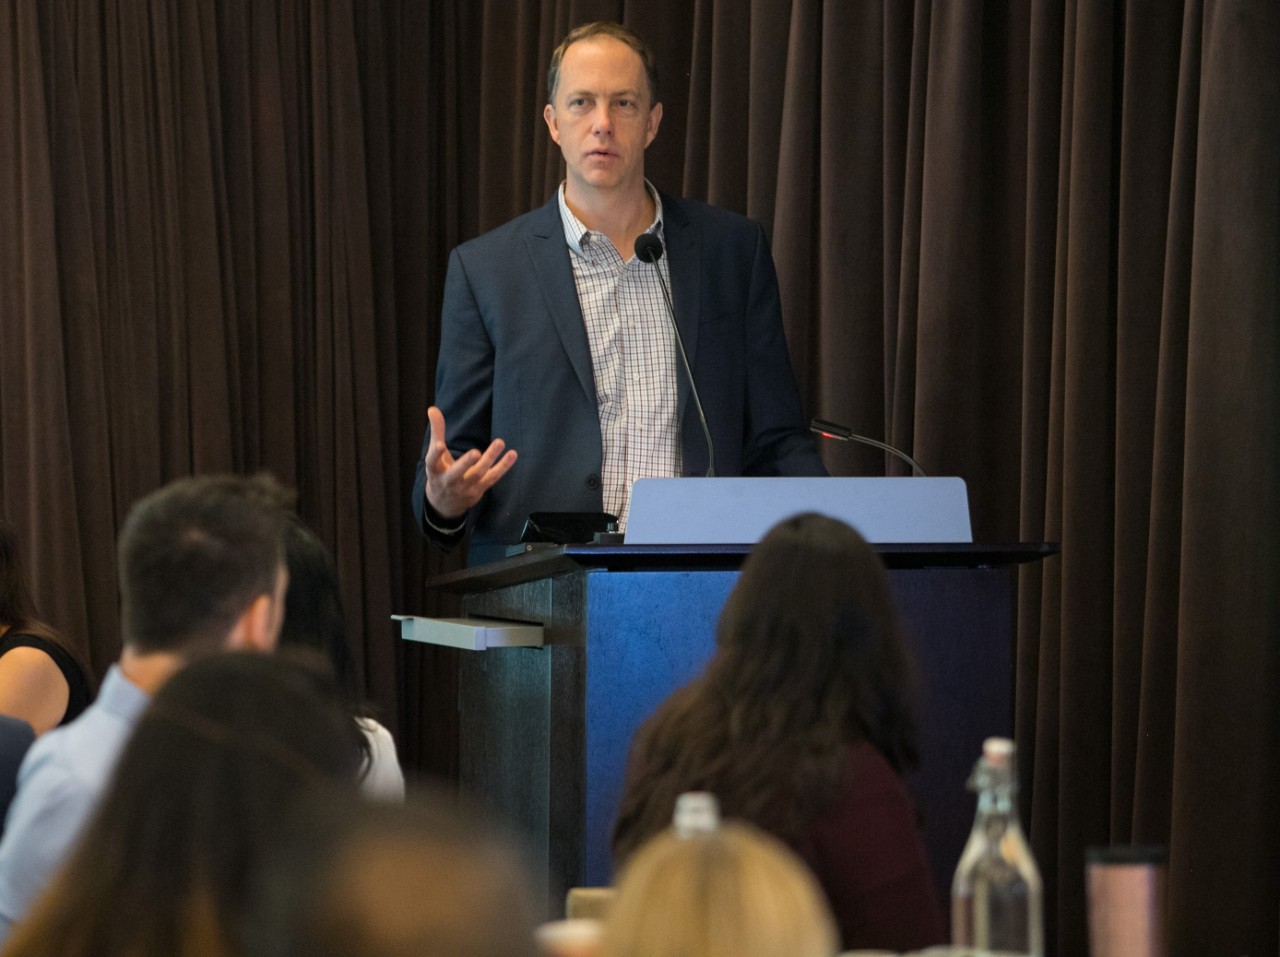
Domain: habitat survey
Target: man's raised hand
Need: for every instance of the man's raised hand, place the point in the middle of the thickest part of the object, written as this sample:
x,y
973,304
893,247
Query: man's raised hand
x,y
455,484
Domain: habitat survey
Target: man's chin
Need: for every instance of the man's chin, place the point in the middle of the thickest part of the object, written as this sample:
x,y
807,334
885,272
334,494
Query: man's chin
x,y
601,179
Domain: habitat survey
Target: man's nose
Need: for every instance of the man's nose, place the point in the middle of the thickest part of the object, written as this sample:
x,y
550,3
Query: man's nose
x,y
602,119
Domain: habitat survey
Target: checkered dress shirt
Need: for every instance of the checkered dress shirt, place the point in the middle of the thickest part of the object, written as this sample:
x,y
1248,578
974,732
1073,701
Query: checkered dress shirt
x,y
633,358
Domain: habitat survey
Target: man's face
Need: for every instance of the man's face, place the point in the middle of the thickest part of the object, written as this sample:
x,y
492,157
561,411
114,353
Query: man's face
x,y
601,117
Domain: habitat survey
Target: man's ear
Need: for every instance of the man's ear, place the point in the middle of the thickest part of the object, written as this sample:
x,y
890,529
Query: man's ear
x,y
255,629
549,115
655,119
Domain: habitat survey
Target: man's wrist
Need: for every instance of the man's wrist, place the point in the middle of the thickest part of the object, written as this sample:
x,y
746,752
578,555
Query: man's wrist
x,y
441,523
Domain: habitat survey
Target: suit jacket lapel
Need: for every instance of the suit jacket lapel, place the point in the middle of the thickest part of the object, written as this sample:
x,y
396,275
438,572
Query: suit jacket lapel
x,y
550,256
684,259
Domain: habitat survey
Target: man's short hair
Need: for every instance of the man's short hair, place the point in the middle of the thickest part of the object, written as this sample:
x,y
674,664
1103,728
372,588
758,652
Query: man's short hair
x,y
194,555
602,28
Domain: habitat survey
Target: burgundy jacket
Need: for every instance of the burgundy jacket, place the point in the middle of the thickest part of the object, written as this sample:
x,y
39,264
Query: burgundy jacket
x,y
868,855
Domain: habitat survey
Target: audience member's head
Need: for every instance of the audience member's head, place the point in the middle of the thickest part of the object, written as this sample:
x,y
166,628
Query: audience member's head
x,y
734,891
809,659
414,880
809,637
313,613
227,747
314,619
202,566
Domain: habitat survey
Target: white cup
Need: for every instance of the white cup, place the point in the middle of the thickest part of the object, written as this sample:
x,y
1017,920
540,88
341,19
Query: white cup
x,y
572,937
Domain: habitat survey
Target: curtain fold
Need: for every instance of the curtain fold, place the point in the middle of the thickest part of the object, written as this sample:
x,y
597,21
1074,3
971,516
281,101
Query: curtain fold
x,y
1148,108
1224,838
1034,245
38,399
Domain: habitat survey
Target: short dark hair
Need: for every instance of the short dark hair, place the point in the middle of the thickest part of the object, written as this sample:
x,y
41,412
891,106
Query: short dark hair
x,y
194,554
603,28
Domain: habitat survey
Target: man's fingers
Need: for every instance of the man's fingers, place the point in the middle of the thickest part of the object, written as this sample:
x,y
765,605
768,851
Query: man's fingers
x,y
436,418
453,471
439,459
499,469
463,480
485,462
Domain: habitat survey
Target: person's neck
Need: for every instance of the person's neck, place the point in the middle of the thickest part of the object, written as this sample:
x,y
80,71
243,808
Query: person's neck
x,y
621,216
149,670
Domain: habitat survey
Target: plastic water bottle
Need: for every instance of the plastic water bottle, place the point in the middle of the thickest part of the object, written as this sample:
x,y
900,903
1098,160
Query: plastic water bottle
x,y
996,893
697,812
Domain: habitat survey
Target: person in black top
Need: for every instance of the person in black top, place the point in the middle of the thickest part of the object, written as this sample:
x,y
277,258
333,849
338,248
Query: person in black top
x,y
43,681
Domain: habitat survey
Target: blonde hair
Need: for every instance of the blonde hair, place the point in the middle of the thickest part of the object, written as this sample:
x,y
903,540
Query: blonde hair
x,y
421,879
734,892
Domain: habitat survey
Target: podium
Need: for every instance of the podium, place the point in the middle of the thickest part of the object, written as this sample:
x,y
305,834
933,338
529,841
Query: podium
x,y
600,634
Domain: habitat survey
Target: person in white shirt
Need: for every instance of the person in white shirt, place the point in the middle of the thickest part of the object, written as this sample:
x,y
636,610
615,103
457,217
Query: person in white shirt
x,y
314,618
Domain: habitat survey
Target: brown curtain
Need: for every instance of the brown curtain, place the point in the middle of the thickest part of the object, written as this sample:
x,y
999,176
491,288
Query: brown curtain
x,y
199,277
1036,244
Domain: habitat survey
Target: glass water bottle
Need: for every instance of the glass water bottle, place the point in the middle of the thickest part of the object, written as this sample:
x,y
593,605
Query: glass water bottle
x,y
996,893
697,812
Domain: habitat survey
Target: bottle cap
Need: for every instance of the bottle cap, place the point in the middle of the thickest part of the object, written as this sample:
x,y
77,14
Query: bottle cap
x,y
997,751
697,812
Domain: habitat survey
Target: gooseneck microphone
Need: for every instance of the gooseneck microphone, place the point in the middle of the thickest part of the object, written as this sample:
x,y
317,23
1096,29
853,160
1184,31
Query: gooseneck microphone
x,y
649,250
831,430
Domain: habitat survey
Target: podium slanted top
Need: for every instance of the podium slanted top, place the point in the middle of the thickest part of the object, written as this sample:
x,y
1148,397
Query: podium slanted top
x,y
709,511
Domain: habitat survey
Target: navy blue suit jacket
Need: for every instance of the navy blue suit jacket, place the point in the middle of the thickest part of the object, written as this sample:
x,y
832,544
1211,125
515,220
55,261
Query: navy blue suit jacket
x,y
515,364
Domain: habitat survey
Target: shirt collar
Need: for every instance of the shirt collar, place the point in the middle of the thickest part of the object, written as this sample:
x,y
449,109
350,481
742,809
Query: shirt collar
x,y
575,231
121,696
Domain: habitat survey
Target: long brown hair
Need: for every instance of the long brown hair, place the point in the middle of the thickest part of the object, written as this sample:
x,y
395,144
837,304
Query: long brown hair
x,y
809,660
227,747
16,608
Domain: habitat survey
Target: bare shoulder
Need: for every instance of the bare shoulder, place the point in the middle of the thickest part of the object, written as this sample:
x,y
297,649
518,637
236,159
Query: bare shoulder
x,y
32,687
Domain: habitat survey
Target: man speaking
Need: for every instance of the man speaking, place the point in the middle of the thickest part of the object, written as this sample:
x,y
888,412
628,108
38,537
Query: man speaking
x,y
557,348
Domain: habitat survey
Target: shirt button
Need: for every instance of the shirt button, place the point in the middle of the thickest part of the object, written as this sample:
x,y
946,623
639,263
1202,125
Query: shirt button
x,y
593,482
